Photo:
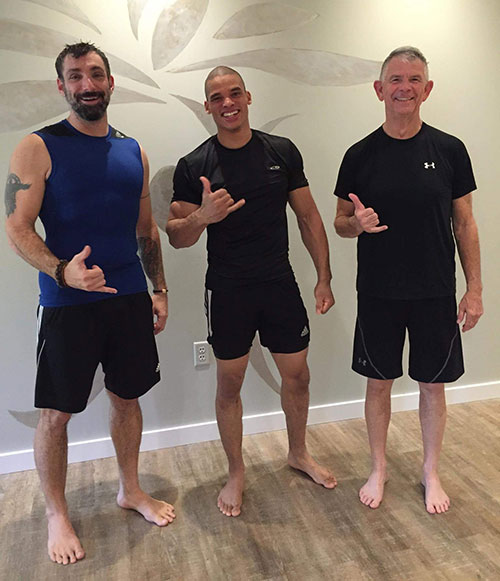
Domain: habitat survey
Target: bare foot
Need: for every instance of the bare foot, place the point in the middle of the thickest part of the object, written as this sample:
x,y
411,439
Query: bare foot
x,y
231,496
436,499
372,492
156,511
318,473
64,546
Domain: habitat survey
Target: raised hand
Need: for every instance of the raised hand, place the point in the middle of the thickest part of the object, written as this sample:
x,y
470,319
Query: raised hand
x,y
366,217
215,206
77,275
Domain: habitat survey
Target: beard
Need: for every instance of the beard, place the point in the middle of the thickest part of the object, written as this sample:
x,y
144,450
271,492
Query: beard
x,y
85,111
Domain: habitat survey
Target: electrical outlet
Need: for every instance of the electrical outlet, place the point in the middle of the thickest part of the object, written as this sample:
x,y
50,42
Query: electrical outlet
x,y
201,354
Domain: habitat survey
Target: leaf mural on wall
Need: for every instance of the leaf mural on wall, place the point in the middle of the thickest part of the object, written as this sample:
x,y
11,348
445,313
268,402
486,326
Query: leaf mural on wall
x,y
176,26
27,103
199,110
122,95
37,40
68,8
162,189
263,18
309,67
270,125
135,8
32,39
125,69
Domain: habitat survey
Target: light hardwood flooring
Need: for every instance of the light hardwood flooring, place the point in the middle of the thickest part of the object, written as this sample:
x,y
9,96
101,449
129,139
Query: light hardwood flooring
x,y
290,528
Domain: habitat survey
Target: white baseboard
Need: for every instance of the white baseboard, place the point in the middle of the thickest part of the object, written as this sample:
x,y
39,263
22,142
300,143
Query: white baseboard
x,y
206,431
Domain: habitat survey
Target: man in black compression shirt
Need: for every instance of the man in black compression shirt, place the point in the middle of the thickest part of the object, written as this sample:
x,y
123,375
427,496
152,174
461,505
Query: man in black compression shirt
x,y
237,185
401,189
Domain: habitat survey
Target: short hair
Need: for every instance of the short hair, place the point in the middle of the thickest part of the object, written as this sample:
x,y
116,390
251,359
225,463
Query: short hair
x,y
221,71
408,53
78,50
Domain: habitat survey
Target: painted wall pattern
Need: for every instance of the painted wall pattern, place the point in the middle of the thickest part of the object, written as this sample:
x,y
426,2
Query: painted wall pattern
x,y
28,103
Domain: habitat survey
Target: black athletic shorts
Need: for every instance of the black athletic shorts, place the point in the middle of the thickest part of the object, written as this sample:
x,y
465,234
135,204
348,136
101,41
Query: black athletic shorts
x,y
435,343
274,309
73,340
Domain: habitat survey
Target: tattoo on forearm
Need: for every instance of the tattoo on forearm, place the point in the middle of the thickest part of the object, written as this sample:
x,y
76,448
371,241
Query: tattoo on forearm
x,y
12,186
150,254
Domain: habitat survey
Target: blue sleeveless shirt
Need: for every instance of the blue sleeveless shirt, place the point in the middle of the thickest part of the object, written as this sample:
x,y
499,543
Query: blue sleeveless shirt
x,y
92,197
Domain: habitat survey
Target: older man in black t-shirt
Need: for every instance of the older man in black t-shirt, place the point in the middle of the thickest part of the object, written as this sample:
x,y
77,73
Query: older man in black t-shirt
x,y
237,185
401,189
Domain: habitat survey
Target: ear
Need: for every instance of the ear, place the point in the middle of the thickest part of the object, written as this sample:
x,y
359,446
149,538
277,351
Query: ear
x,y
377,85
207,108
111,82
428,89
60,86
249,97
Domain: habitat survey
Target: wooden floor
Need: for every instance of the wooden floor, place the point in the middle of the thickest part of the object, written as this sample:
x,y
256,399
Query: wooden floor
x,y
291,529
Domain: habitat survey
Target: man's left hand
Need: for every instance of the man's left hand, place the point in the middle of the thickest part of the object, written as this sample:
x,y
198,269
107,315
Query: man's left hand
x,y
470,310
160,311
324,297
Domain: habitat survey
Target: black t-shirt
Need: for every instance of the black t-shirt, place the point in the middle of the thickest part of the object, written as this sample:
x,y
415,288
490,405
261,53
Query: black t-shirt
x,y
411,184
251,244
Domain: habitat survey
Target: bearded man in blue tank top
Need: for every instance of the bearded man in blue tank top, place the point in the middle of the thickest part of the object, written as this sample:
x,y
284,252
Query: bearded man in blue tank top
x,y
404,190
237,185
88,183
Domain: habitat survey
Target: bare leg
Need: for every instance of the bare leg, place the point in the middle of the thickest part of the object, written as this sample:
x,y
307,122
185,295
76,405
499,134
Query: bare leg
x,y
432,410
51,458
295,402
378,416
126,430
230,374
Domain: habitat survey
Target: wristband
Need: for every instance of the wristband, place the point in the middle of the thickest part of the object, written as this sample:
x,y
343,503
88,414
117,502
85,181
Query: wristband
x,y
160,291
59,274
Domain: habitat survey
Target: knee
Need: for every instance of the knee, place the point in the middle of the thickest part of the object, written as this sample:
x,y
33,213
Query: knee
x,y
53,420
379,387
229,386
431,390
123,406
297,379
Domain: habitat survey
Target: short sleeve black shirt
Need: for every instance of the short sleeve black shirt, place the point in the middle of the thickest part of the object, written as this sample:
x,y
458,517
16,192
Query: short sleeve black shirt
x,y
251,244
411,184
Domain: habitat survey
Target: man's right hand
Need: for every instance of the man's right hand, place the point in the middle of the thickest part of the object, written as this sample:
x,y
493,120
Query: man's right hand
x,y
366,217
77,275
215,206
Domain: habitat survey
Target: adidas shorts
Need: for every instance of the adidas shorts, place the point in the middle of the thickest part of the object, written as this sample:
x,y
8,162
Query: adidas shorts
x,y
73,340
274,309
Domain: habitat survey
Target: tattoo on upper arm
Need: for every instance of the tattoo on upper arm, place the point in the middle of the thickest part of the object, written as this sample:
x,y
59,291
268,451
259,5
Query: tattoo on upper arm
x,y
13,185
149,251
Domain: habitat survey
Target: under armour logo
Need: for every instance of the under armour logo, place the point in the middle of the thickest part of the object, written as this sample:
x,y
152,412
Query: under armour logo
x,y
362,361
305,331
157,368
427,165
275,167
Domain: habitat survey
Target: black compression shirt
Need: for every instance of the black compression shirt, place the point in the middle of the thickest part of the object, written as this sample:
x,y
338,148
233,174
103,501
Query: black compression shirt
x,y
251,244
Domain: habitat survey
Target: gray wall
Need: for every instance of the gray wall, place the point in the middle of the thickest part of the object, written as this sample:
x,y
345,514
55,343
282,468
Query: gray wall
x,y
332,109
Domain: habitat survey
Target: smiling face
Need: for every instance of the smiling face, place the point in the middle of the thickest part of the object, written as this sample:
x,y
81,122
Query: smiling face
x,y
86,86
227,102
404,87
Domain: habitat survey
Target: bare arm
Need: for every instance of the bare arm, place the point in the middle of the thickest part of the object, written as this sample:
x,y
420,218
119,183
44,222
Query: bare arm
x,y
187,221
314,237
30,166
470,307
148,241
353,218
